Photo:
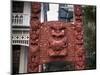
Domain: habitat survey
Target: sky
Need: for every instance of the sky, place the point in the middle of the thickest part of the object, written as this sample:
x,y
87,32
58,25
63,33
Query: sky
x,y
53,13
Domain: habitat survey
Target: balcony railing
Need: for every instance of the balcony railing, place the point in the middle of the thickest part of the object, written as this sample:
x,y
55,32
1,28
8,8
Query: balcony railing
x,y
20,38
20,19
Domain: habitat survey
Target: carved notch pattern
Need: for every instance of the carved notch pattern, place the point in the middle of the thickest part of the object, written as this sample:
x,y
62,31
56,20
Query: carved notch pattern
x,y
55,42
34,38
80,52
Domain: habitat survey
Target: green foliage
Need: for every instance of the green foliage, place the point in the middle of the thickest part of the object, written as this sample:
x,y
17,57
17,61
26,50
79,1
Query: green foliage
x,y
90,13
90,35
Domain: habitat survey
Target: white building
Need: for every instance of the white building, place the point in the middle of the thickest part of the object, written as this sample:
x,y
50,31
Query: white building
x,y
21,12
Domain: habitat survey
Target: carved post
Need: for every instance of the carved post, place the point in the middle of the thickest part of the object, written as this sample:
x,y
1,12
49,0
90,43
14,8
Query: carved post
x,y
79,48
33,58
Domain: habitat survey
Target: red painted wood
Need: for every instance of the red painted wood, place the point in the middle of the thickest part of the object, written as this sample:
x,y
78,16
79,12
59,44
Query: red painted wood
x,y
56,41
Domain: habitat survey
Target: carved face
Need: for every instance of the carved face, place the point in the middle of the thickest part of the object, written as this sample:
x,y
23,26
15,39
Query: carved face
x,y
36,6
58,40
57,31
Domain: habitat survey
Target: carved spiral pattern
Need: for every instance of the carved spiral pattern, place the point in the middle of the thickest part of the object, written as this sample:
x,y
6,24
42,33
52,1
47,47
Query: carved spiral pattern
x,y
54,41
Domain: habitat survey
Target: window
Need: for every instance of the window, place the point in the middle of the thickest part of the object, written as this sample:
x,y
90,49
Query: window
x,y
17,7
45,9
15,58
65,14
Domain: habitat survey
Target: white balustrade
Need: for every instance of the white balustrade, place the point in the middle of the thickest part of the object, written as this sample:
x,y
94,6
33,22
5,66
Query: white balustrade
x,y
20,19
20,38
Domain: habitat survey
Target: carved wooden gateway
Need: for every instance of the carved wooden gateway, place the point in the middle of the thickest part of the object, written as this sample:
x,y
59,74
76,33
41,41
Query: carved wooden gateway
x,y
55,41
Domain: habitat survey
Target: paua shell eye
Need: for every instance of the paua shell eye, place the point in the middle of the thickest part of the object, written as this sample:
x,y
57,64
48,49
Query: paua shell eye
x,y
62,30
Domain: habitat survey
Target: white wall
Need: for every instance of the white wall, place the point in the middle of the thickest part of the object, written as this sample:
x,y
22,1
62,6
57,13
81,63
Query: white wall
x,y
27,13
23,59
52,14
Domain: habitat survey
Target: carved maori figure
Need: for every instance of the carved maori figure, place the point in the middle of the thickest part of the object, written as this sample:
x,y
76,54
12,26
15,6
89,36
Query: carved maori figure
x,y
33,62
55,40
80,53
58,40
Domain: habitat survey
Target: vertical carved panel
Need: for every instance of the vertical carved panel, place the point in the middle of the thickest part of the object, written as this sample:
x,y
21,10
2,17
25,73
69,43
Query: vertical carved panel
x,y
79,47
34,37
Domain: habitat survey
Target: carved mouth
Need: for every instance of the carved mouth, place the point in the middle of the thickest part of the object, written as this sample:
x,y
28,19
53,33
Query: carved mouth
x,y
58,37
58,45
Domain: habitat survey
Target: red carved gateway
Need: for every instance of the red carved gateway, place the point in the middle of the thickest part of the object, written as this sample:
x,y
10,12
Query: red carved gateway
x,y
55,41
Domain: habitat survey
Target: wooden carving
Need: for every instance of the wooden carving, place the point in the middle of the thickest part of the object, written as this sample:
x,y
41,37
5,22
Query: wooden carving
x,y
55,41
33,57
79,43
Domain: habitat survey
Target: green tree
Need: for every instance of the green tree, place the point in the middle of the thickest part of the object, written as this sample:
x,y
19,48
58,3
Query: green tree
x,y
90,35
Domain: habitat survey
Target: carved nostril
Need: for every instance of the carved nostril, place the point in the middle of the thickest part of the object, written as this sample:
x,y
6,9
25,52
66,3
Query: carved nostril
x,y
61,36
58,31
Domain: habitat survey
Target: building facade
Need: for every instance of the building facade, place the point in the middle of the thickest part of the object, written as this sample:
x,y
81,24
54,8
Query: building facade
x,y
21,12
